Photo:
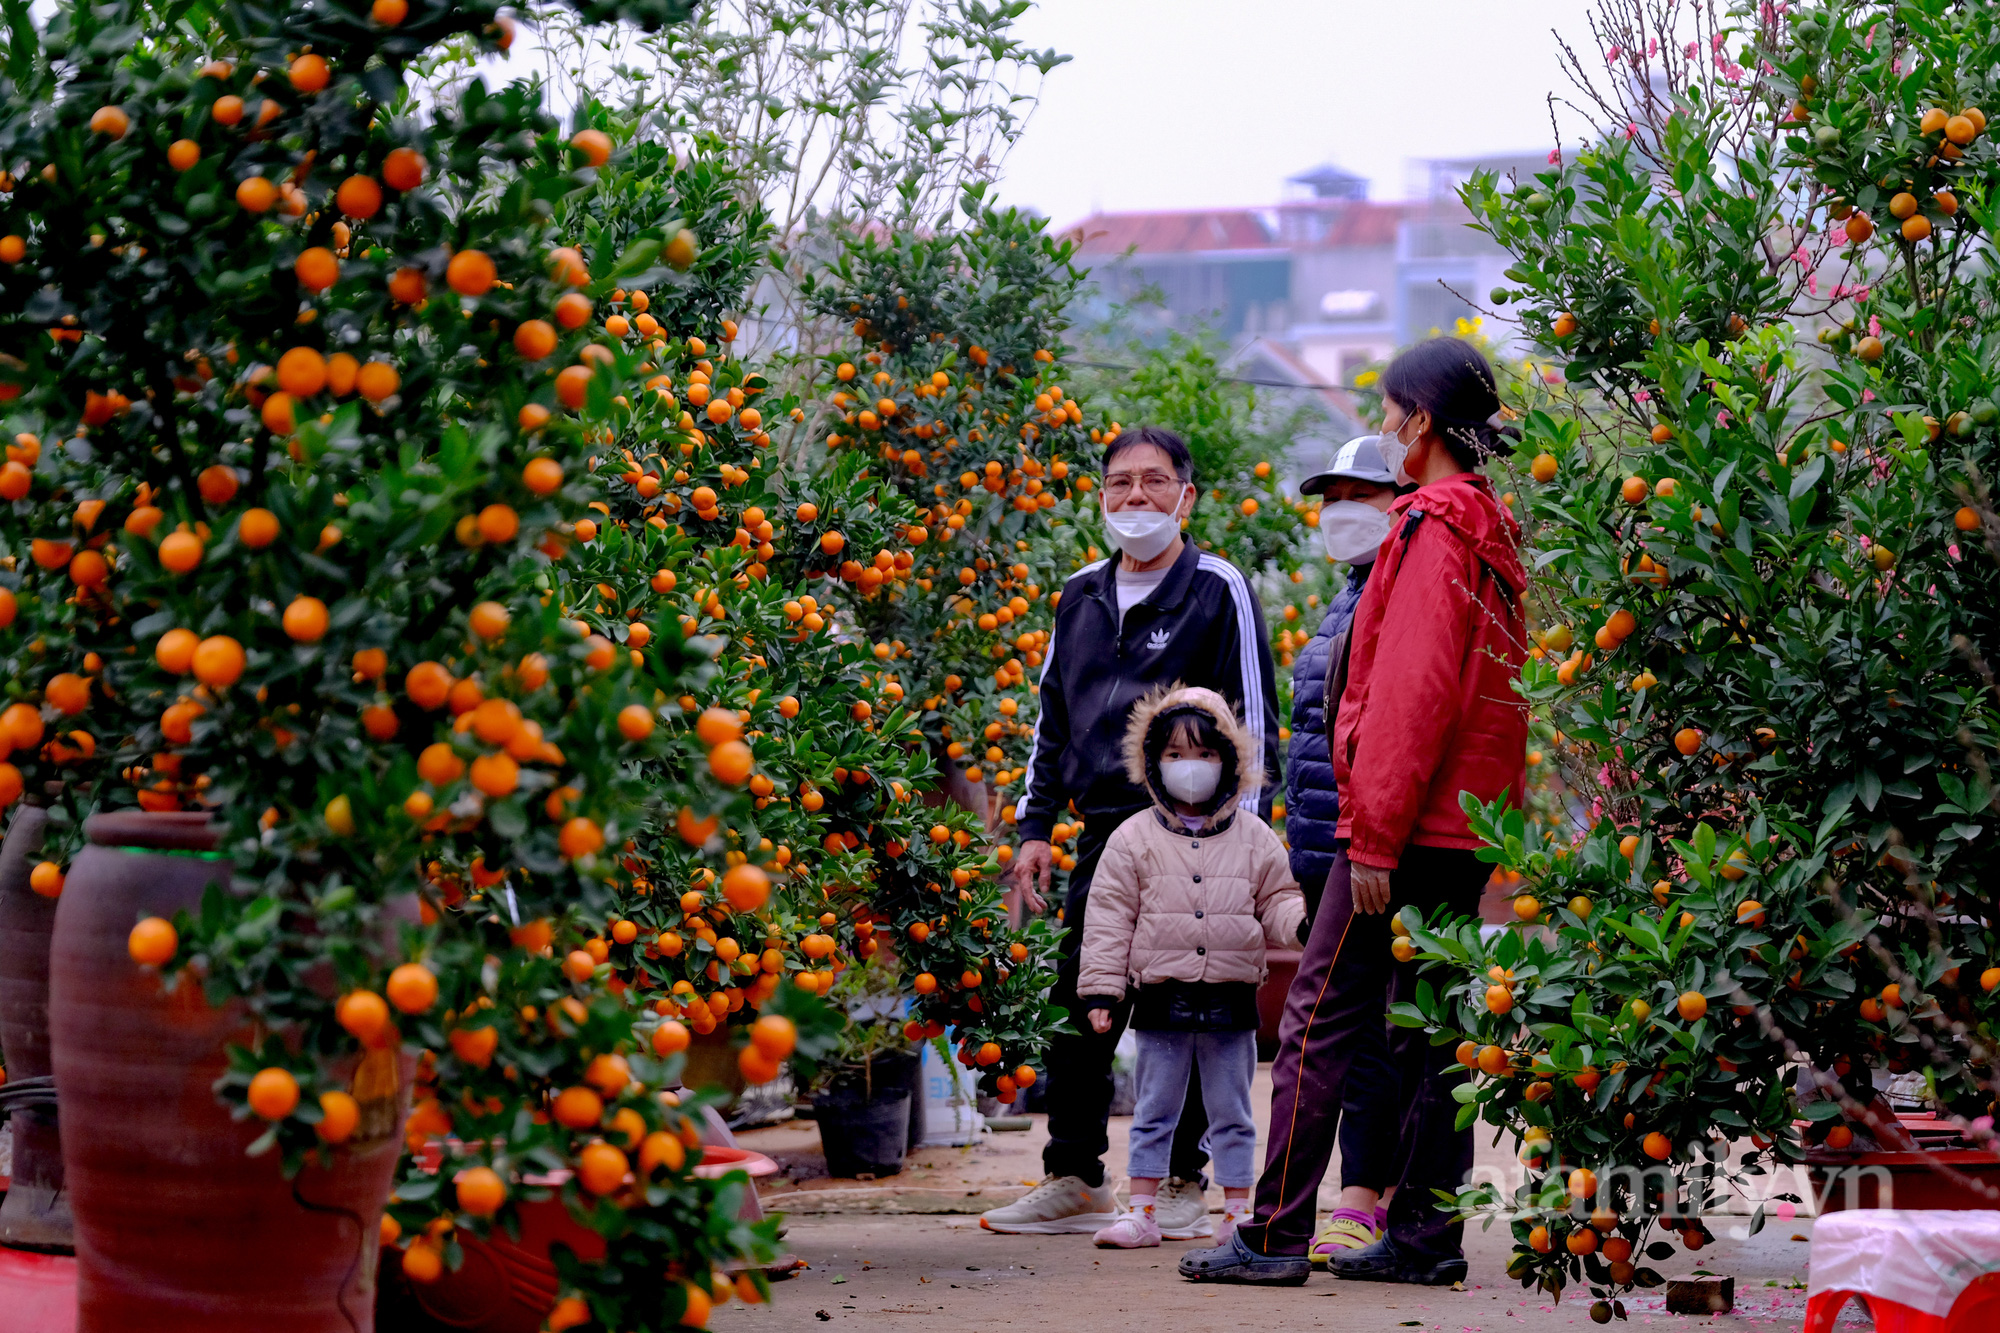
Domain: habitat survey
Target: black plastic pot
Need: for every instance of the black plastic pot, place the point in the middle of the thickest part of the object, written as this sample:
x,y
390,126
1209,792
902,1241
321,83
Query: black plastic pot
x,y
864,1118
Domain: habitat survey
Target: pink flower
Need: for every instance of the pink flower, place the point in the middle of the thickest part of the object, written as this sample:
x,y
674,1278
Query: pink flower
x,y
1867,395
1868,42
1874,326
1722,417
1812,283
1804,259
1896,65
1643,396
1864,542
1767,67
1858,293
1555,156
1715,42
1631,129
1614,53
1653,46
1952,550
1691,50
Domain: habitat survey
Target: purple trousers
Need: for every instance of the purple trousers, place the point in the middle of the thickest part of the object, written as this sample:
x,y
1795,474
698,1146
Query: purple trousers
x,y
1337,1005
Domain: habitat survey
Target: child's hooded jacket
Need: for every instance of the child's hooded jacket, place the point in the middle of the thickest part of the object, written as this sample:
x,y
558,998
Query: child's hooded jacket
x,y
1174,904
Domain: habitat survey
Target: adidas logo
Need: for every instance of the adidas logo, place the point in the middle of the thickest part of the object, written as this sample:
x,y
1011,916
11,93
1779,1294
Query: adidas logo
x,y
1157,640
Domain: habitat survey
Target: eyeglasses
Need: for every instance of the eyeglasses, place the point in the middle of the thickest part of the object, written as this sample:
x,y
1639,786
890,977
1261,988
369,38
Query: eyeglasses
x,y
1157,485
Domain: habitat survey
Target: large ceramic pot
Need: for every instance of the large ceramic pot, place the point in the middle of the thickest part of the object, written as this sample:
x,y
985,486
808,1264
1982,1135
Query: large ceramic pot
x,y
507,1284
177,1229
35,1215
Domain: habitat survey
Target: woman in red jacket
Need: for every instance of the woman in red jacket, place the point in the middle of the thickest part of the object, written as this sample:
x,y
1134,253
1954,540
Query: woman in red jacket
x,y
1429,711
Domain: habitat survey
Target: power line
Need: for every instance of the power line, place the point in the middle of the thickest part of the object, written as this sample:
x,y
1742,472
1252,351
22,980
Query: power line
x,y
1242,379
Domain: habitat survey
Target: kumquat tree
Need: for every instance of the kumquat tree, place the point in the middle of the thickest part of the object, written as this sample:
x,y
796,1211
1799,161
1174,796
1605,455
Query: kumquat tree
x,y
804,708
1761,638
307,419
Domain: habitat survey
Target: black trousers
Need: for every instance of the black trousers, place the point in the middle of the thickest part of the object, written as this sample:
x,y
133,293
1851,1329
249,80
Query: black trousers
x,y
1336,1007
1079,1064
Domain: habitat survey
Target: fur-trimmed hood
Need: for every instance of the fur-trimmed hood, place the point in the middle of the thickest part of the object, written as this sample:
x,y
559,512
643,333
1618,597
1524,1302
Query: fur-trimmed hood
x,y
1146,735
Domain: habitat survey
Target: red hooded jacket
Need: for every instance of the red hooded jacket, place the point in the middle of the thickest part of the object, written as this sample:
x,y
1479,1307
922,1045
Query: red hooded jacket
x,y
1430,709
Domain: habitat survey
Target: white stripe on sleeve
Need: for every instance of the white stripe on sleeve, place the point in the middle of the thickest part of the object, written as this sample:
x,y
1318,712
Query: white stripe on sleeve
x,y
1247,630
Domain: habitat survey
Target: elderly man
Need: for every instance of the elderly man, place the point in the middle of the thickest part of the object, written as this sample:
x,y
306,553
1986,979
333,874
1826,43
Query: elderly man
x,y
1162,612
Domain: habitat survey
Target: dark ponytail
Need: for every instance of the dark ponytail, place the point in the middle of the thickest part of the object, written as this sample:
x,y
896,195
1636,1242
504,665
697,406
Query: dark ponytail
x,y
1450,379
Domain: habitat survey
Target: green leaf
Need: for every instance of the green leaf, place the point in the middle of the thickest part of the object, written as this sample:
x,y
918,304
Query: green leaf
x,y
508,818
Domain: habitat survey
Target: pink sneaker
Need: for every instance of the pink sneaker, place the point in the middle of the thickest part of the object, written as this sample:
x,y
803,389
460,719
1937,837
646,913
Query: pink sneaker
x,y
1132,1231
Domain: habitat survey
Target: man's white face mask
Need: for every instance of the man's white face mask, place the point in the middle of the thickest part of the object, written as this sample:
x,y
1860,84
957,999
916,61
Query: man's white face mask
x,y
1353,531
1142,534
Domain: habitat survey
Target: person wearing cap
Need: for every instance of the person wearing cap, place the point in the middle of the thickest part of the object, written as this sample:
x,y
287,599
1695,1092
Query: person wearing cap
x,y
1429,716
1357,487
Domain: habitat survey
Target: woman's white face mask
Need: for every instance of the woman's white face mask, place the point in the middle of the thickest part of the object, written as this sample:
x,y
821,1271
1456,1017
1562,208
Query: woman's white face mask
x,y
1191,780
1353,531
1394,451
1143,534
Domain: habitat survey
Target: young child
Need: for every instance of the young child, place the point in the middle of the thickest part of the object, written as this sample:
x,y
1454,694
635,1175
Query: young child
x,y
1184,901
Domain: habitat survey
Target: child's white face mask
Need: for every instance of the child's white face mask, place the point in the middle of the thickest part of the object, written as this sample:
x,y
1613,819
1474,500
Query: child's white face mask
x,y
1191,780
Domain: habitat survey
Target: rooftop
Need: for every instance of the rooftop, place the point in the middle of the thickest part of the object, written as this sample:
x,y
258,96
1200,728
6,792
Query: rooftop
x,y
1333,223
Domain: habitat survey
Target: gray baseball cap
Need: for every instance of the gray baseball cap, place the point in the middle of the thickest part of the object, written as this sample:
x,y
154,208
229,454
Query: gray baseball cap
x,y
1360,458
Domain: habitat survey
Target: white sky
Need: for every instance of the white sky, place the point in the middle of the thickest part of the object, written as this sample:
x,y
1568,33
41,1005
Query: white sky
x,y
1191,103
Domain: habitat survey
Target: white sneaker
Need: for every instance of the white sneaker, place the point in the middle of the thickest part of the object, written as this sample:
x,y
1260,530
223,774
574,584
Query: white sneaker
x,y
1181,1211
1133,1231
1059,1206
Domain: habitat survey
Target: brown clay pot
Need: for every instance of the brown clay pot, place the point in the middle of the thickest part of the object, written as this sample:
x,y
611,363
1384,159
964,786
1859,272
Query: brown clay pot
x,y
35,1215
177,1230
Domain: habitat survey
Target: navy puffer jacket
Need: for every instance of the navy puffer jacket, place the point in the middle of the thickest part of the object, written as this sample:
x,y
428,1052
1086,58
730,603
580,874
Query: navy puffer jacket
x,y
1312,802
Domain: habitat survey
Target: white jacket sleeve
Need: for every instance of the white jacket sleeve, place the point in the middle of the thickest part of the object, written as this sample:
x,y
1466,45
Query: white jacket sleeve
x,y
1109,924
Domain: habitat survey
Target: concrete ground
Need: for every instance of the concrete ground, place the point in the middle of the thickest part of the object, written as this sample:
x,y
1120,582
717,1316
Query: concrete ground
x,y
880,1253
887,1272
